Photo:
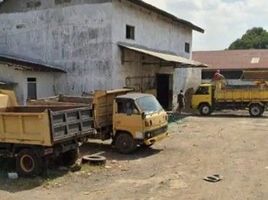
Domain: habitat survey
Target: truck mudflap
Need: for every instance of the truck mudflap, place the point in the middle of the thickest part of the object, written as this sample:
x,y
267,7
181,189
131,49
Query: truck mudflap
x,y
156,139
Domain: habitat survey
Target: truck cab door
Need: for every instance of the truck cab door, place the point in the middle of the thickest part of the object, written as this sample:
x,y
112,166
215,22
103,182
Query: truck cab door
x,y
127,117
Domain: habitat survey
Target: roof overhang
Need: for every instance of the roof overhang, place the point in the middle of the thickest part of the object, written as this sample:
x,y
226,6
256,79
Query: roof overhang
x,y
24,65
166,59
4,83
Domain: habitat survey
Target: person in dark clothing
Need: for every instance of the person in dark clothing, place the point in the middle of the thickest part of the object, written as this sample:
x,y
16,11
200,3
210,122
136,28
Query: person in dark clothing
x,y
180,101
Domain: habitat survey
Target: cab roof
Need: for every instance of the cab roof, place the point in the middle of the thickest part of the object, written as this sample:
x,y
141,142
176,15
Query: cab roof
x,y
133,96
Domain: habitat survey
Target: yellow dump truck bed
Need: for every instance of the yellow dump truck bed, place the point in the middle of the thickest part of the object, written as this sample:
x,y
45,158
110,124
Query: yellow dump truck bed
x,y
242,94
44,126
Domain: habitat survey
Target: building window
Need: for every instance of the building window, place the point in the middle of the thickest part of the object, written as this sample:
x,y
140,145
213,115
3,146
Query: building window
x,y
187,47
33,4
31,88
130,32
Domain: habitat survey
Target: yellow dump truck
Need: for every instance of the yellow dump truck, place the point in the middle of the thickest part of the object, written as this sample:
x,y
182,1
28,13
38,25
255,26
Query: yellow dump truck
x,y
129,119
33,134
218,96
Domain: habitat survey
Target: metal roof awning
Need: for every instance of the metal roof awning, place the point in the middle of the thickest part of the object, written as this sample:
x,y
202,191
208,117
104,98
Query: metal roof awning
x,y
24,65
4,83
180,62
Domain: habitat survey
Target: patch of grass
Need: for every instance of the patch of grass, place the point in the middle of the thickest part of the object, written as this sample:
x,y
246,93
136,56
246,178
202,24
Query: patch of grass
x,y
53,178
92,168
173,118
21,184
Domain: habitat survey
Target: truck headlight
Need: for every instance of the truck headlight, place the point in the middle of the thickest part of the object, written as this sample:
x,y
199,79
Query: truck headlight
x,y
148,135
166,117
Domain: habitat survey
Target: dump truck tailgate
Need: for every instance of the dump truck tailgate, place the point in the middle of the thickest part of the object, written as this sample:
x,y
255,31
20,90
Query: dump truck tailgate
x,y
70,124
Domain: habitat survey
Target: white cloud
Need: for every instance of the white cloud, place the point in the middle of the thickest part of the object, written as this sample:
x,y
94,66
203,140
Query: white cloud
x,y
223,20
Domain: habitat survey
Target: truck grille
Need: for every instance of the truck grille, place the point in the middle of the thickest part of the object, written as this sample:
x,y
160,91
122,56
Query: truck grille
x,y
154,133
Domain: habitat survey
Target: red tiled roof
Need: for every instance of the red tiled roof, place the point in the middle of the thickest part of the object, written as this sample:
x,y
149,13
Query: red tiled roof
x,y
233,59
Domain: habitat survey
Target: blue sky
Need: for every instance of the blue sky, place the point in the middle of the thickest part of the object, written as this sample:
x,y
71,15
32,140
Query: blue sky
x,y
223,20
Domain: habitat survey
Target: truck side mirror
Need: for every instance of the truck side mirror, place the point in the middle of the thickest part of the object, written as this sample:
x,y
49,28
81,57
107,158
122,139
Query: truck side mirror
x,y
143,115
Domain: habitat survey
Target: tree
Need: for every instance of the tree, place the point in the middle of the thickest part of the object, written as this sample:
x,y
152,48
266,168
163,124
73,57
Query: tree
x,y
255,38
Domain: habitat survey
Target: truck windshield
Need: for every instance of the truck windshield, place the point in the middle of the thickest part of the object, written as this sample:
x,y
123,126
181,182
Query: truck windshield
x,y
149,104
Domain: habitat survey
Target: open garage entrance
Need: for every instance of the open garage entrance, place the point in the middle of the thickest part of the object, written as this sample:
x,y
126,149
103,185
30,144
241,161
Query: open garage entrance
x,y
164,87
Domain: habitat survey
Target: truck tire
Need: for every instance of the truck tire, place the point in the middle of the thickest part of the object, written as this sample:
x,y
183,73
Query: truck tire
x,y
125,143
70,157
28,163
256,110
205,109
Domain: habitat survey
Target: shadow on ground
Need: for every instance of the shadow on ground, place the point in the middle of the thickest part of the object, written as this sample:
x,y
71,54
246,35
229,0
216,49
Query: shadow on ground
x,y
110,152
173,117
22,184
177,118
232,115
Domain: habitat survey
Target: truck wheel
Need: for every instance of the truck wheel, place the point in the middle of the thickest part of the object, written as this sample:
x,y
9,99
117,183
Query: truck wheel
x,y
70,157
28,163
205,109
256,110
125,143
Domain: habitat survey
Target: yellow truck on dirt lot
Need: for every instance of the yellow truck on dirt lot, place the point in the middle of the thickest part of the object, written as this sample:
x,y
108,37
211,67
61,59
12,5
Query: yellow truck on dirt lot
x,y
129,119
32,134
213,97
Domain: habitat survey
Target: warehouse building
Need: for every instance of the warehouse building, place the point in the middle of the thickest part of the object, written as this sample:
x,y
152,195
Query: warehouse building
x,y
102,44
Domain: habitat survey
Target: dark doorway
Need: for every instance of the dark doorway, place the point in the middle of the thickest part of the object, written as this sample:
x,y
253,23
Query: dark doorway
x,y
164,87
31,88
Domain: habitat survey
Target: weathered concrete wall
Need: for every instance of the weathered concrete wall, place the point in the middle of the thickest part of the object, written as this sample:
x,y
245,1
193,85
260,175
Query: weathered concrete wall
x,y
152,30
12,6
233,82
45,82
155,32
75,38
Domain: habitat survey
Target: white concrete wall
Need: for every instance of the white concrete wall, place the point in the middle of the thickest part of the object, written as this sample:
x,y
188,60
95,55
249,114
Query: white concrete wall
x,y
75,38
233,82
152,30
45,82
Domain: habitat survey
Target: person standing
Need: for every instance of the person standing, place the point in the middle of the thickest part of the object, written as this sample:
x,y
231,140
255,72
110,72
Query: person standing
x,y
180,101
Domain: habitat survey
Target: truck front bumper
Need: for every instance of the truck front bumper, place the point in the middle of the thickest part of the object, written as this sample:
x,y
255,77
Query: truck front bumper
x,y
155,139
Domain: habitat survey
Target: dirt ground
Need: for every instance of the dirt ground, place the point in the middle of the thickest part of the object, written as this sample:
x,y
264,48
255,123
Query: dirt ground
x,y
234,146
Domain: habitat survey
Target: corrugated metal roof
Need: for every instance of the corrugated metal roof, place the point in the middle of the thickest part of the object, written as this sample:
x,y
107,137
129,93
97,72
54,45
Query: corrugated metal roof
x,y
24,65
233,59
165,56
166,14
